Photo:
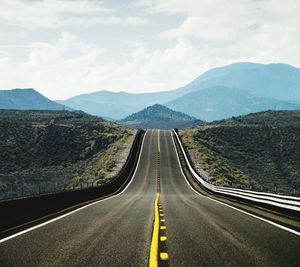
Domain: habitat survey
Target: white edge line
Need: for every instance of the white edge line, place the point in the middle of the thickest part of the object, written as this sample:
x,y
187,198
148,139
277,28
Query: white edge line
x,y
241,193
247,213
88,205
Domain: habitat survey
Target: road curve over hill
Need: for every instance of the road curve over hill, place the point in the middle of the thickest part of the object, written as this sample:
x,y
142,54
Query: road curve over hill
x,y
193,230
202,232
113,232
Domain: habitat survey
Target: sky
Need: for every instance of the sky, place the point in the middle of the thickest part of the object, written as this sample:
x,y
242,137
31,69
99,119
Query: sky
x,y
64,48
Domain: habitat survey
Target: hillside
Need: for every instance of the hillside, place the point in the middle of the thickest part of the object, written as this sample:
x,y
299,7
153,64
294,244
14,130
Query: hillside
x,y
159,116
221,102
272,82
26,99
250,151
47,147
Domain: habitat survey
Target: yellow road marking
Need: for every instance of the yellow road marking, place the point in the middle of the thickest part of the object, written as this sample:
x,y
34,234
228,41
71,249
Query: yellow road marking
x,y
154,243
158,142
164,256
158,212
163,238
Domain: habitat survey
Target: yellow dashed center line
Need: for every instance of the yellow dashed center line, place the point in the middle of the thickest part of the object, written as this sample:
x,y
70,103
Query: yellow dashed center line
x,y
164,256
154,243
158,143
158,223
163,238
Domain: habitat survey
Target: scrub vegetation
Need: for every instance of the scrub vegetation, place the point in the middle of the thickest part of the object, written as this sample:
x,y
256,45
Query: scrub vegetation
x,y
260,149
63,147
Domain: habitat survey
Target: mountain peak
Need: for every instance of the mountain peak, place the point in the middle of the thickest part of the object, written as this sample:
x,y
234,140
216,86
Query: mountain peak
x,y
158,112
159,116
20,90
277,80
27,98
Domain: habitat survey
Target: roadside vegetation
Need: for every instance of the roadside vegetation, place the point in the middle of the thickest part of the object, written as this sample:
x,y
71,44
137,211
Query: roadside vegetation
x,y
47,148
257,151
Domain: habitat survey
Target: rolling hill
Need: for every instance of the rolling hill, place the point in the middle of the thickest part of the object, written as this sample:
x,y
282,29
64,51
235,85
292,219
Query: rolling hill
x,y
258,86
260,149
63,147
26,99
159,116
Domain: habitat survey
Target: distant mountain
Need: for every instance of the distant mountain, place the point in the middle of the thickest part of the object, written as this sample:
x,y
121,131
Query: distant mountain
x,y
159,116
278,81
26,99
273,82
220,102
116,105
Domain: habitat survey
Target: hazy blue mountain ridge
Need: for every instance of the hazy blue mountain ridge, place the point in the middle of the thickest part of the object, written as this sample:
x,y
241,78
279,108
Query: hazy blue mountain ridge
x,y
251,87
220,102
26,99
279,81
246,87
117,105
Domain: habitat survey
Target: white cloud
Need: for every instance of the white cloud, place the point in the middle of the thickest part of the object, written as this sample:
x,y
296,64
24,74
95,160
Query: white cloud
x,y
177,40
219,20
70,66
56,69
260,30
59,13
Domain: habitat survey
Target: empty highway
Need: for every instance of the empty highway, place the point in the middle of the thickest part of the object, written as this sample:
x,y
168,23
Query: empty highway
x,y
193,229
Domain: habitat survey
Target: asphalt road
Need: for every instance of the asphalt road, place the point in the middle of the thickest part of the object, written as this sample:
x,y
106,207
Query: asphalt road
x,y
114,232
202,232
117,231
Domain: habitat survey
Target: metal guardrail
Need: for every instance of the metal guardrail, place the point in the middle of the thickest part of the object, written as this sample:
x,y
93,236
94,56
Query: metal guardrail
x,y
46,189
281,201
